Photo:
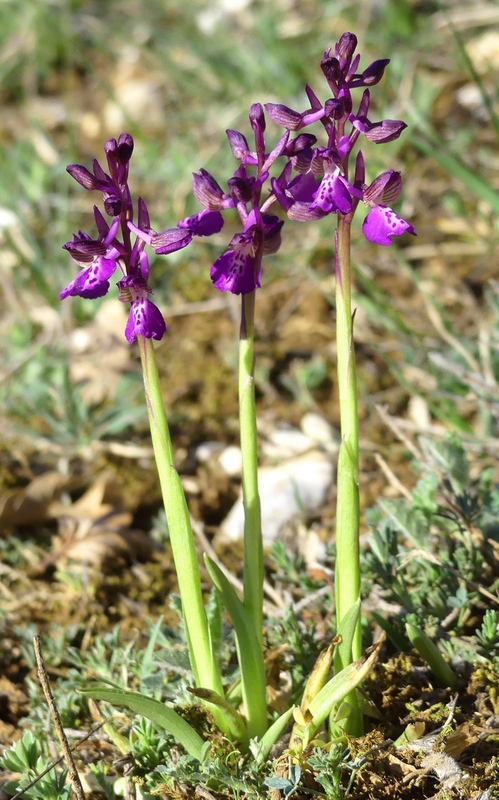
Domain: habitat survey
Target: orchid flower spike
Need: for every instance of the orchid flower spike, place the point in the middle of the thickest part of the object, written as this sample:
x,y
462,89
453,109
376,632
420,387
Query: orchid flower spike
x,y
112,249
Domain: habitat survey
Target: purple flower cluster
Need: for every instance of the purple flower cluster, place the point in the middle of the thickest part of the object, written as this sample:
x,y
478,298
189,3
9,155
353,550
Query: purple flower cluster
x,y
311,182
321,185
238,269
314,181
112,249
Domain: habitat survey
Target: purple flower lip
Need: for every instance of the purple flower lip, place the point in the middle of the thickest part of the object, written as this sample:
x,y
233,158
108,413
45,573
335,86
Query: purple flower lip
x,y
145,319
238,270
98,257
333,195
382,222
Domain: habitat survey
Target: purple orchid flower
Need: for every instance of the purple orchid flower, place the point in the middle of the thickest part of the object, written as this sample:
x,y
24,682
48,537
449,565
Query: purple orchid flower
x,y
238,269
99,258
322,185
304,201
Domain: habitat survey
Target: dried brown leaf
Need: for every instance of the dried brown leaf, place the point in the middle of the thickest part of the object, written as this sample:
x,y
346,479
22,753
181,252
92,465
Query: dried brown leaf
x,y
108,549
31,504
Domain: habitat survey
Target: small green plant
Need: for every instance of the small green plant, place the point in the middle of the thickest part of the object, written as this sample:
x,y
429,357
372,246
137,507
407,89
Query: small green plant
x,y
26,757
327,766
429,555
288,786
487,637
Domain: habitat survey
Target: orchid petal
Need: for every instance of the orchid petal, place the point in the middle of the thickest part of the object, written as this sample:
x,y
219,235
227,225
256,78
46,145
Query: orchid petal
x,y
382,223
145,319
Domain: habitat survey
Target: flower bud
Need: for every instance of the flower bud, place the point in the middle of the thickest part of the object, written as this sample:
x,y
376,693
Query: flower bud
x,y
125,148
374,72
334,108
282,115
240,189
206,190
257,118
238,144
345,48
83,176
113,205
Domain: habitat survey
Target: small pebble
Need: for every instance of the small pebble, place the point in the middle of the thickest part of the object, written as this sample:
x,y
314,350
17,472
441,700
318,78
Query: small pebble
x,y
230,460
319,430
298,486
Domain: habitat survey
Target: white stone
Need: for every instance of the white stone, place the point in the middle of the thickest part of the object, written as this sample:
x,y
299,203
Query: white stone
x,y
298,486
230,460
319,430
205,451
285,443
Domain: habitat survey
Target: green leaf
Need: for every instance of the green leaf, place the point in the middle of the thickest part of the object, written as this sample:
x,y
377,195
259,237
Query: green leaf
x,y
346,630
160,715
340,686
449,457
249,651
410,521
396,637
263,747
147,659
236,722
432,655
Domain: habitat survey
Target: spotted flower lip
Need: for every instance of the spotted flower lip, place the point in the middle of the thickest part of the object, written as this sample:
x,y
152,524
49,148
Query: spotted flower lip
x,y
238,270
383,222
98,257
145,319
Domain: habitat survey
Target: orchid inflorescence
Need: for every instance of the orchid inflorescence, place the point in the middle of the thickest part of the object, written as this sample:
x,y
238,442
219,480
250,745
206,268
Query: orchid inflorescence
x,y
313,182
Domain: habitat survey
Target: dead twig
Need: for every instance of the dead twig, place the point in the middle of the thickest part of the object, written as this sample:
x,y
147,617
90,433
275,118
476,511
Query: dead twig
x,y
47,691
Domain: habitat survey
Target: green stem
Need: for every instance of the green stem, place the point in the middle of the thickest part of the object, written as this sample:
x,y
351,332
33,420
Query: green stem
x,y
253,546
202,657
347,579
254,693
